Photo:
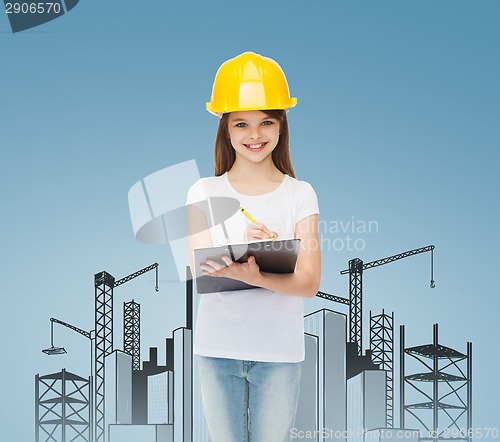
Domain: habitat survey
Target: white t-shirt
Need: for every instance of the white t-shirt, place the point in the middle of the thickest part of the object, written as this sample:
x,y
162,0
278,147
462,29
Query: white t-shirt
x,y
255,324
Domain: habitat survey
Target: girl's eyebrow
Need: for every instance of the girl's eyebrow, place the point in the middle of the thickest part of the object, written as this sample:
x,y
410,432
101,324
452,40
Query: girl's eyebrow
x,y
243,119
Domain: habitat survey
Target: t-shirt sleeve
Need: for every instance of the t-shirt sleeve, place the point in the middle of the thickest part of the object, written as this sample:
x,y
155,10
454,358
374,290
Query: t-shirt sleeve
x,y
308,202
196,193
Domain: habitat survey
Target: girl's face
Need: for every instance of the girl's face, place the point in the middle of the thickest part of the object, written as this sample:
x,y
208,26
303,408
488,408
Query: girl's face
x,y
253,134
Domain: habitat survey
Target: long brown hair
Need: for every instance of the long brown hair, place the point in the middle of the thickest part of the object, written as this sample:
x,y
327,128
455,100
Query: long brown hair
x,y
224,154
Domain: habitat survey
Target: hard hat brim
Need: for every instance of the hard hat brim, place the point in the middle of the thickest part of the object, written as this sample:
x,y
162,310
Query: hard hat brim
x,y
218,112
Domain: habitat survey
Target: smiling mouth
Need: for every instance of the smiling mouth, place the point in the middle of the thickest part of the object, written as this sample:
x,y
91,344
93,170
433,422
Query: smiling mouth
x,y
256,147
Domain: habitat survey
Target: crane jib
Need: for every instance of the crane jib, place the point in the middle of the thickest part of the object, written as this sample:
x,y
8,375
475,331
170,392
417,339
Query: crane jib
x,y
379,262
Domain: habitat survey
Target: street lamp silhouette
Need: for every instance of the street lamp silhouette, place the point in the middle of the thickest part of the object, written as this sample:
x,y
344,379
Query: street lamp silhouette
x,y
52,350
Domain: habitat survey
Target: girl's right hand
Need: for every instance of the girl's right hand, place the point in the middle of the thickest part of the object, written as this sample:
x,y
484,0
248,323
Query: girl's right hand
x,y
257,231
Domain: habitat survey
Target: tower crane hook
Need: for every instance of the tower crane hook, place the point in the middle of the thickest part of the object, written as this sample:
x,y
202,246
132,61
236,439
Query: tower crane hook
x,y
157,289
432,269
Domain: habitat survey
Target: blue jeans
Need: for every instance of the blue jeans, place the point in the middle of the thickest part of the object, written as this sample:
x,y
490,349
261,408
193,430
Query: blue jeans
x,y
248,401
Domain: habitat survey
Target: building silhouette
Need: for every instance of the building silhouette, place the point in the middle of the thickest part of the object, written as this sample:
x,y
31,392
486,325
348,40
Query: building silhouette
x,y
323,383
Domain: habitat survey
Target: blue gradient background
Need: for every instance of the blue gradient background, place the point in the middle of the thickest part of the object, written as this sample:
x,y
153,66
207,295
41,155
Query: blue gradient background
x,y
397,123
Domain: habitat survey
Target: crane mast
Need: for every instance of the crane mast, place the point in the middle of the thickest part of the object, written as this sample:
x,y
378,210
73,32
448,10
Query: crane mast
x,y
104,283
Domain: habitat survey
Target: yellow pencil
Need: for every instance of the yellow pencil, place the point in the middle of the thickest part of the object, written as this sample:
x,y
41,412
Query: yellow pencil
x,y
251,218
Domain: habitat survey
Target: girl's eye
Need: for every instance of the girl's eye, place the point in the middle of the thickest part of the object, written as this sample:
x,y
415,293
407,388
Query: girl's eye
x,y
241,125
267,123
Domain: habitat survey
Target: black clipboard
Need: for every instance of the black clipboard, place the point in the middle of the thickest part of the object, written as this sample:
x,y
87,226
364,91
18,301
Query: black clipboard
x,y
271,256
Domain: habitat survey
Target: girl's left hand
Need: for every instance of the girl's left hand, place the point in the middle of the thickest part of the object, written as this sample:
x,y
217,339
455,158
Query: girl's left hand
x,y
248,272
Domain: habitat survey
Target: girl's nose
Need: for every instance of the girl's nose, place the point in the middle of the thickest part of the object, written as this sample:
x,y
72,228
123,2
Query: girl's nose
x,y
255,133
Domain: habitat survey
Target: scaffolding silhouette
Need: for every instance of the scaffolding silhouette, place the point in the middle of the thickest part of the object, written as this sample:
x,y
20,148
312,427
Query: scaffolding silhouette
x,y
355,297
444,389
132,332
63,409
382,351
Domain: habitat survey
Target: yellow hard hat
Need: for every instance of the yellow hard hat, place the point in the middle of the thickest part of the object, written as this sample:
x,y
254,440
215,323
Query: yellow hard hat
x,y
249,82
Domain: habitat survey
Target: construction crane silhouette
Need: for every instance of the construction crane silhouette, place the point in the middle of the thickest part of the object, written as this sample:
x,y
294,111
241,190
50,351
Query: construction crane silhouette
x,y
355,270
380,325
104,284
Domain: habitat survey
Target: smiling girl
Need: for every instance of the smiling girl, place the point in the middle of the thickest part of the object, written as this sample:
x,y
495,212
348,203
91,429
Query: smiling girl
x,y
250,343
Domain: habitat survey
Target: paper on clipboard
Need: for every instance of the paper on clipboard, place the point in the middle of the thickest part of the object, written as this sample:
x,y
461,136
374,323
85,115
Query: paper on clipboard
x,y
271,256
